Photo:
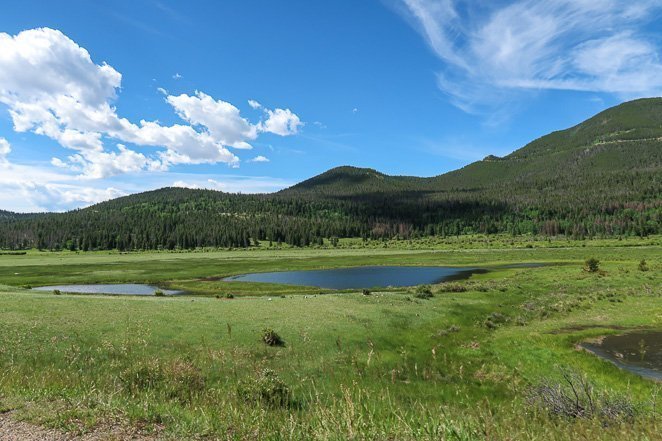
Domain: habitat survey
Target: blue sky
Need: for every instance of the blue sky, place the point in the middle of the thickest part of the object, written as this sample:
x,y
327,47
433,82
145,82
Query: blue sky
x,y
105,98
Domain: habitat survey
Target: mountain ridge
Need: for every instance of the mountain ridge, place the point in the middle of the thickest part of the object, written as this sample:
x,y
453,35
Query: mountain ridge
x,y
600,177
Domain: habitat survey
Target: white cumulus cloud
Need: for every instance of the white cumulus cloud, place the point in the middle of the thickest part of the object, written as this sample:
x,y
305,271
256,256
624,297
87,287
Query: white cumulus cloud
x,y
259,158
222,119
282,122
52,87
5,148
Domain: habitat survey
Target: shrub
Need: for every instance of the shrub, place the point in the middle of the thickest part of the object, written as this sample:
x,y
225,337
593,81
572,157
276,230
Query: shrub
x,y
423,292
643,266
57,292
179,380
494,320
452,287
184,380
271,338
592,265
141,376
575,397
366,292
265,388
159,293
229,296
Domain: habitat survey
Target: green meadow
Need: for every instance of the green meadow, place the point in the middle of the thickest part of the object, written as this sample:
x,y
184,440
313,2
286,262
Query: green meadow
x,y
463,364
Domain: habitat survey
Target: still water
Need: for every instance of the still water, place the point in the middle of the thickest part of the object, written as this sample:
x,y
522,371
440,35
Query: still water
x,y
638,352
362,277
132,289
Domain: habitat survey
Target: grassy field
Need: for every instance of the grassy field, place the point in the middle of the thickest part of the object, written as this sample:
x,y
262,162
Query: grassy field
x,y
461,365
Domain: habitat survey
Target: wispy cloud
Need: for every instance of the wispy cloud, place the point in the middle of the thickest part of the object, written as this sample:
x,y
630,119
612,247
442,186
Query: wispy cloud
x,y
492,51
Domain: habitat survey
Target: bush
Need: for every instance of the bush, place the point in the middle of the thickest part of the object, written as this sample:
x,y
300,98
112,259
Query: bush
x,y
159,293
229,296
520,321
184,380
575,397
57,292
643,266
271,338
452,287
141,376
592,265
266,388
179,379
423,292
494,320
366,292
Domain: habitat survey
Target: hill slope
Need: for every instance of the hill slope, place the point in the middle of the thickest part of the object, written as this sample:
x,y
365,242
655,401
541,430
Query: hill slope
x,y
601,177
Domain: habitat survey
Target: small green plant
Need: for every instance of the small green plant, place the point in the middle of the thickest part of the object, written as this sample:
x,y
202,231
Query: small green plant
x,y
57,292
592,265
141,376
159,293
366,292
266,388
183,380
229,296
423,292
643,266
643,349
271,337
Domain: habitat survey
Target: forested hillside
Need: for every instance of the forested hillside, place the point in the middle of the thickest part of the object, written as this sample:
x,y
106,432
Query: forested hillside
x,y
6,214
602,177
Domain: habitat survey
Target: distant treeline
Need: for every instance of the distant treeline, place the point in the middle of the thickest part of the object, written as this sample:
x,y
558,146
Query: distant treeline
x,y
185,219
600,178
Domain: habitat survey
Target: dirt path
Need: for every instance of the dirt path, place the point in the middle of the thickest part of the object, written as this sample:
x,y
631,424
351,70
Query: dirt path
x,y
12,430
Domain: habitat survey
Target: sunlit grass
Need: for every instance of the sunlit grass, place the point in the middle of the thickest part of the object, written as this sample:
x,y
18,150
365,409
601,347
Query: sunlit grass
x,y
381,366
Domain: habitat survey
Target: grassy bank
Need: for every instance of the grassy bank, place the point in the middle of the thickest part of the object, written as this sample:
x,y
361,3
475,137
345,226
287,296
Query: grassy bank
x,y
391,365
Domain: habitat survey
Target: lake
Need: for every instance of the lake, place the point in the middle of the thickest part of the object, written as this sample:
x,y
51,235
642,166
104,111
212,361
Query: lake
x,y
638,352
133,289
362,277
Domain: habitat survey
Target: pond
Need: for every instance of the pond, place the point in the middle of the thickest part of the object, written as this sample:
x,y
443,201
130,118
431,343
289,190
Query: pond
x,y
132,289
638,352
362,277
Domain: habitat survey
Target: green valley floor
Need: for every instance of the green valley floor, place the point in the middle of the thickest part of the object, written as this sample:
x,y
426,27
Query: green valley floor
x,y
469,362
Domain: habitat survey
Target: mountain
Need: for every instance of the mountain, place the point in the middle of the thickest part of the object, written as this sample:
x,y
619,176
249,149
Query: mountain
x,y
601,177
7,214
347,180
623,140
